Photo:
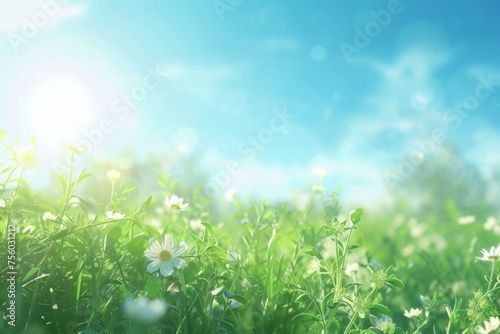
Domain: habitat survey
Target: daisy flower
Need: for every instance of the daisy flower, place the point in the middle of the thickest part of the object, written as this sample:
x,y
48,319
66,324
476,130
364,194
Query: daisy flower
x,y
164,256
114,175
414,312
114,215
26,156
466,220
49,216
351,269
176,204
492,255
489,326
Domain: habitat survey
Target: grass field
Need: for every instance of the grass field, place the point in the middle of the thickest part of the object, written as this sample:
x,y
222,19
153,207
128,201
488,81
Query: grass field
x,y
179,262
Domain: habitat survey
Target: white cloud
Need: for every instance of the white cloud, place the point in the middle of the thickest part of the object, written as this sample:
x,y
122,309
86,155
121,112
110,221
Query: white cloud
x,y
16,15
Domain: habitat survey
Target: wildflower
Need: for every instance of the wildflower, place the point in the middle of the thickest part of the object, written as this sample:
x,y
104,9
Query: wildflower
x,y
385,324
489,326
314,266
378,278
362,305
49,216
320,172
176,204
351,269
230,194
76,147
466,220
114,215
114,175
196,225
492,224
164,256
25,156
493,255
143,309
317,188
414,312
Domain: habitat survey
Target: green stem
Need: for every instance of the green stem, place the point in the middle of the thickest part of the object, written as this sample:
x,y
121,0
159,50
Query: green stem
x,y
351,322
112,193
491,276
185,301
8,179
69,190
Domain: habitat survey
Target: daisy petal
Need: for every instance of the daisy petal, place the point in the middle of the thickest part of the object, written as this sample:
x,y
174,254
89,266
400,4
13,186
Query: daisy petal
x,y
178,263
154,266
168,240
151,254
178,249
166,269
155,245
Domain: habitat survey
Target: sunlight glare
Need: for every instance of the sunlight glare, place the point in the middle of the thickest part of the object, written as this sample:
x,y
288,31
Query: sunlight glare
x,y
60,108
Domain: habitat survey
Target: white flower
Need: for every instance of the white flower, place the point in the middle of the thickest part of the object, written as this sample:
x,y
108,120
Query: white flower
x,y
414,312
25,155
317,188
49,216
493,255
164,256
230,194
489,326
196,225
176,204
492,224
320,172
114,175
114,215
466,220
314,266
384,323
351,269
143,309
3,204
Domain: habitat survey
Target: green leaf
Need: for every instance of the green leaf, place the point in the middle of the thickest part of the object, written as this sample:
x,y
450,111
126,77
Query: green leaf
x,y
29,274
209,227
152,232
147,202
240,299
137,246
355,216
304,317
314,252
267,215
218,291
112,237
152,287
62,181
395,282
382,309
82,176
353,246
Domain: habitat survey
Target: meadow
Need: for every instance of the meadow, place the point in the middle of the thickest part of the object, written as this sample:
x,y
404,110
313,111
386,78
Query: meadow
x,y
112,261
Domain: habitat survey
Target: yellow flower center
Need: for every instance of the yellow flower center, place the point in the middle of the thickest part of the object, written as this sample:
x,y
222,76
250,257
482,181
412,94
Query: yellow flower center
x,y
165,255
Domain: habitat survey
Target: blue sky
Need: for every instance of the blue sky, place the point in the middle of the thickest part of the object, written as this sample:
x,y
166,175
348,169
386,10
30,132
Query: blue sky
x,y
212,77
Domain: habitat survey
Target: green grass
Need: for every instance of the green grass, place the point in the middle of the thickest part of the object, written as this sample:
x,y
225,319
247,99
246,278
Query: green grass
x,y
256,267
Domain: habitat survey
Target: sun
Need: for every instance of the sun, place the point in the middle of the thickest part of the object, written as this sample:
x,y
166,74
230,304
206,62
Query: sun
x,y
60,108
